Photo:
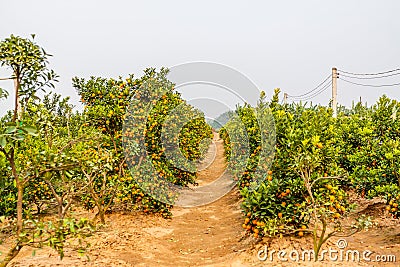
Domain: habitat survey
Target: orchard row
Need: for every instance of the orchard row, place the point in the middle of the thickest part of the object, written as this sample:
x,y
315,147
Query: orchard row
x,y
318,159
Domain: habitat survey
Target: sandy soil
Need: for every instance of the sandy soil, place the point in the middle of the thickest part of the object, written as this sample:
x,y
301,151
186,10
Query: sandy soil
x,y
210,235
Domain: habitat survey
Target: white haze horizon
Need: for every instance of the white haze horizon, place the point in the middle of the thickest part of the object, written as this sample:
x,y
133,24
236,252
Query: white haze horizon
x,y
288,45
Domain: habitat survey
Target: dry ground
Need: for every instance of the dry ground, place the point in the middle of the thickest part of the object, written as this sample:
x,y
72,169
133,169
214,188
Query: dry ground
x,y
210,235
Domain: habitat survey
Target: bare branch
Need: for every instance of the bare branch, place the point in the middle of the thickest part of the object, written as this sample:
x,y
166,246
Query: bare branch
x,y
9,78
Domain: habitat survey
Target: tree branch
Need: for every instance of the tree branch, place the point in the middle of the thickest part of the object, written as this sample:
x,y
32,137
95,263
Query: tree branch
x,y
9,78
72,142
60,168
323,178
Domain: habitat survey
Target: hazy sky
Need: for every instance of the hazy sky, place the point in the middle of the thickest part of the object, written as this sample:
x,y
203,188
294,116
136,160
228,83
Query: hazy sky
x,y
288,44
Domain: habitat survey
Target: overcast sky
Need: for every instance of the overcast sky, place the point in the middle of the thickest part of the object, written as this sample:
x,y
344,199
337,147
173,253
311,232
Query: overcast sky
x,y
288,44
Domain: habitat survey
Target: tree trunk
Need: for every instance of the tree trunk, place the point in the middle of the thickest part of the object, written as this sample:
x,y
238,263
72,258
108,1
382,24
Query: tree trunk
x,y
60,207
17,110
12,253
101,213
20,190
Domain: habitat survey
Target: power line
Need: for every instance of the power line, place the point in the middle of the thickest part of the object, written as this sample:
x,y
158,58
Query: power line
x,y
311,91
370,85
368,77
327,86
370,74
348,76
320,91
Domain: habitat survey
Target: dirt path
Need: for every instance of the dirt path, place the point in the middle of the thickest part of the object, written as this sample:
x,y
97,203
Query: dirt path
x,y
213,179
198,236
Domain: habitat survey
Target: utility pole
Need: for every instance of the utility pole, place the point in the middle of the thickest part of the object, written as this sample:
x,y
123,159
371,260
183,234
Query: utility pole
x,y
285,96
334,91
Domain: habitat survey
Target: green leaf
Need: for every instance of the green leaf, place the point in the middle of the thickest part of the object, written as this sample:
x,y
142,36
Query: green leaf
x,y
72,228
3,93
3,141
18,137
30,130
10,129
11,124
